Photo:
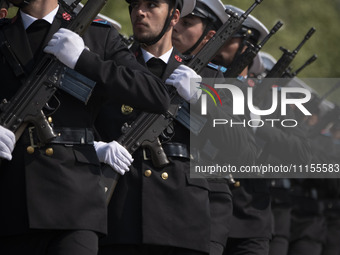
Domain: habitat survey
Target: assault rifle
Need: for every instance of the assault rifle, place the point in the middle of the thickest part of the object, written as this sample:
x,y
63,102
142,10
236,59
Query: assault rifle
x,y
278,70
286,59
147,127
245,59
289,74
27,104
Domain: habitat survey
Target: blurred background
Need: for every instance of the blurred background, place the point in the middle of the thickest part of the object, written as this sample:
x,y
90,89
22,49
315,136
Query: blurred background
x,y
298,17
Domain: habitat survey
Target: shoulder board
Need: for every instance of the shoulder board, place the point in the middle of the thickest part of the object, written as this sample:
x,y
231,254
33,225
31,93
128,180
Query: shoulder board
x,y
102,22
217,67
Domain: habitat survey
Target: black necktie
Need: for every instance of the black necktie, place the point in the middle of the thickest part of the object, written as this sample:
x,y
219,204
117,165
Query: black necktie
x,y
36,34
156,66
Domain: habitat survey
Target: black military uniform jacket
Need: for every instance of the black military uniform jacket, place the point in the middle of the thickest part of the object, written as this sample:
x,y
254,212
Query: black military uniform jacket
x,y
60,188
164,206
160,206
252,197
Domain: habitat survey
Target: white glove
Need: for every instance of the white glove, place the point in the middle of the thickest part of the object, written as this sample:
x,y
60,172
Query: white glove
x,y
114,155
7,142
186,81
66,46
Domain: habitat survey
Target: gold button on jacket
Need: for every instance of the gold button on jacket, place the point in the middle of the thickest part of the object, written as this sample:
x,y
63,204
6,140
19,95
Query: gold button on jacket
x,y
30,149
165,176
147,173
49,151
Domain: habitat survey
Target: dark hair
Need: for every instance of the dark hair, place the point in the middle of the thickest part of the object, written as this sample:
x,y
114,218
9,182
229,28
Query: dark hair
x,y
4,4
172,4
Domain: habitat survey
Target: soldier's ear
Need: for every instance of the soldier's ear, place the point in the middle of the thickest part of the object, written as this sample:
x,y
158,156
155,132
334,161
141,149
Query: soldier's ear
x,y
175,18
209,35
3,13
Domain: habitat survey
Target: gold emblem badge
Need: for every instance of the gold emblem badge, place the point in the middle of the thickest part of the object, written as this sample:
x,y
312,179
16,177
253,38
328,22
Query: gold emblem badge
x,y
126,109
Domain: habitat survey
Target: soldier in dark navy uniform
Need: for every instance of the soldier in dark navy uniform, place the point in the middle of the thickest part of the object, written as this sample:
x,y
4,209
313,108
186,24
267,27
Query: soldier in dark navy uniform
x,y
329,191
250,229
157,210
161,209
190,35
253,227
51,194
315,212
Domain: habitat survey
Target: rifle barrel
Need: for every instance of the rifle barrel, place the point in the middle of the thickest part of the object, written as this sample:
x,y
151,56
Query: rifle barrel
x,y
307,63
276,27
307,37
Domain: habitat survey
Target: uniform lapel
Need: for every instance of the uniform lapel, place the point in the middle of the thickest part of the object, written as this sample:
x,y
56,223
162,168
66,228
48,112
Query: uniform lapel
x,y
135,48
61,20
174,61
17,38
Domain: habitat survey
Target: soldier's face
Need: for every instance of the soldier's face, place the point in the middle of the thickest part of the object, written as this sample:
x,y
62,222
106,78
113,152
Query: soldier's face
x,y
227,54
187,32
148,18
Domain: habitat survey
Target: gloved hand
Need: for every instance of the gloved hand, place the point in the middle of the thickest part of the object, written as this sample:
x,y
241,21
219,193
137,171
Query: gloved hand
x,y
66,46
7,142
114,155
180,79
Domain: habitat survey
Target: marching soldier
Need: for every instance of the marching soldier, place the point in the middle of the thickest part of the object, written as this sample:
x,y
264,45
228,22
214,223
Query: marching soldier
x,y
190,34
330,193
161,209
54,202
250,228
315,200
276,146
154,205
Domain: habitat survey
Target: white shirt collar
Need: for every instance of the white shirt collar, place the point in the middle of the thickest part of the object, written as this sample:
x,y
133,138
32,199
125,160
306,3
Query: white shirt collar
x,y
165,57
27,19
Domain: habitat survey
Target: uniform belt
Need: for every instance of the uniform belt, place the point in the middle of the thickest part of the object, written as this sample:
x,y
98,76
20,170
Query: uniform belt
x,y
68,136
73,136
176,150
280,184
171,150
